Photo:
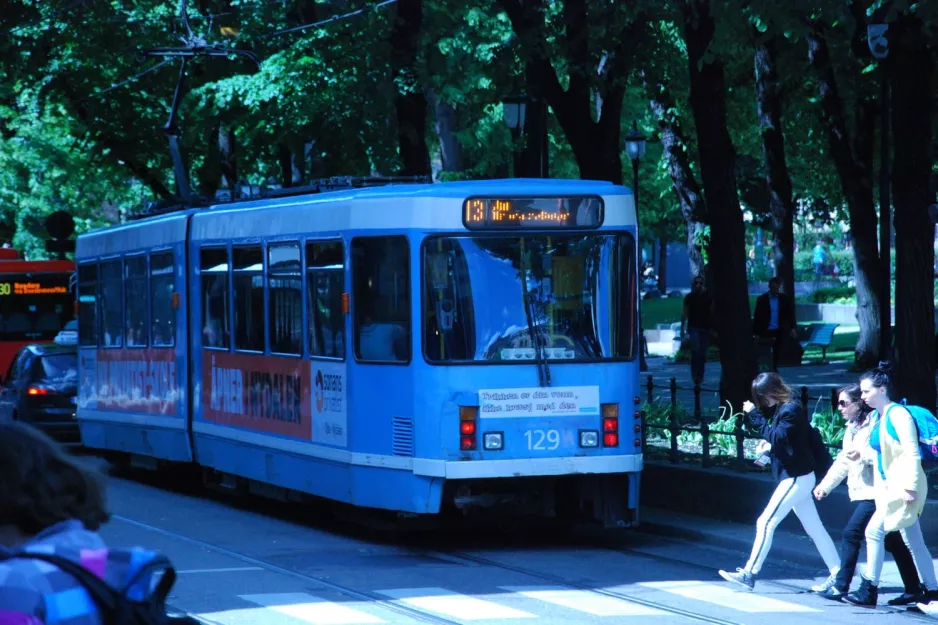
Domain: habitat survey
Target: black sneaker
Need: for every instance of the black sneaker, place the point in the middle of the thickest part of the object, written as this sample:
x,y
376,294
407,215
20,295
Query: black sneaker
x,y
741,577
866,595
833,593
908,598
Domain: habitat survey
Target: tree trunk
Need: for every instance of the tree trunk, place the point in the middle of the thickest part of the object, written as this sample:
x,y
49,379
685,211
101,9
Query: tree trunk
x,y
727,233
447,123
910,68
689,197
229,163
781,207
597,146
857,184
410,103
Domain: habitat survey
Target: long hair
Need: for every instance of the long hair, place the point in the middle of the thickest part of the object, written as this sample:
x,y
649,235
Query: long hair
x,y
853,392
767,386
881,377
42,484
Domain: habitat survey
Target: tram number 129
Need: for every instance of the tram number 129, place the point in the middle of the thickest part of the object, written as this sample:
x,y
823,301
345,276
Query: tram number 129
x,y
542,440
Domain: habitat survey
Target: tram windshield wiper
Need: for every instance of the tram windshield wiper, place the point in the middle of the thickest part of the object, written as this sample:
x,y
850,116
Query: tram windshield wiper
x,y
543,370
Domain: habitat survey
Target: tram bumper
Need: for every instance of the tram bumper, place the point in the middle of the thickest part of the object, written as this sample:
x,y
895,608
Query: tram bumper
x,y
592,489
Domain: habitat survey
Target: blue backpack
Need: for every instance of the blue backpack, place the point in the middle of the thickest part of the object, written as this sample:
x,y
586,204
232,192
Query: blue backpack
x,y
927,427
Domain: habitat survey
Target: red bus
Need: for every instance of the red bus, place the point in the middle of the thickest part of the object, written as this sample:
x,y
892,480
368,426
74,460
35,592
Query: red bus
x,y
36,301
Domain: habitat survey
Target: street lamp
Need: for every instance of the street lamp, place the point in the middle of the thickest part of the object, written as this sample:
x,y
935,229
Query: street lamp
x,y
635,148
513,110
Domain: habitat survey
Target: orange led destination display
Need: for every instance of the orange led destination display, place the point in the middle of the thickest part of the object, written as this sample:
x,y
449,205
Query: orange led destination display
x,y
532,213
31,288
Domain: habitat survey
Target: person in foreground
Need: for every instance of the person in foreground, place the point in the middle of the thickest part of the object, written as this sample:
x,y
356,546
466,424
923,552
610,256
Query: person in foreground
x,y
52,504
900,488
782,424
855,463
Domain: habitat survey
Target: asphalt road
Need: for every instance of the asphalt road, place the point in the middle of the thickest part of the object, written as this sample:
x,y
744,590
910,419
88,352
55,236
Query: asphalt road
x,y
264,564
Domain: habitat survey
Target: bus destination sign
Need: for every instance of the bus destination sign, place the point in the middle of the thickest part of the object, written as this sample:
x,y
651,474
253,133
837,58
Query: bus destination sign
x,y
532,213
31,288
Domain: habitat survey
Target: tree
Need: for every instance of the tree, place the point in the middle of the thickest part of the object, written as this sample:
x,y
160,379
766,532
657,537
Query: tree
x,y
727,233
910,68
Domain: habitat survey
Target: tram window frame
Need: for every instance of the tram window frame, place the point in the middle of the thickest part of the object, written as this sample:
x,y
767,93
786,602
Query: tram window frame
x,y
290,273
157,280
238,274
111,276
359,269
620,338
88,279
315,269
210,268
132,299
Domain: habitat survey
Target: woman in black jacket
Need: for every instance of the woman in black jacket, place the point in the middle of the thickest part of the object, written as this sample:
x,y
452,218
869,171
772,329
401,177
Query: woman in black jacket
x,y
783,425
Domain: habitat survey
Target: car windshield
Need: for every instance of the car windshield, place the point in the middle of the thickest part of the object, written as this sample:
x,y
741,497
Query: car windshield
x,y
576,291
60,367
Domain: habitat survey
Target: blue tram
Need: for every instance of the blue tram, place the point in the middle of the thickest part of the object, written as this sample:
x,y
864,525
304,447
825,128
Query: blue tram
x,y
464,347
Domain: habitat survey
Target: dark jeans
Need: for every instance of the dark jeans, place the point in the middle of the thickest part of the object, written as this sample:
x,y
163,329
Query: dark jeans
x,y
854,535
699,344
774,339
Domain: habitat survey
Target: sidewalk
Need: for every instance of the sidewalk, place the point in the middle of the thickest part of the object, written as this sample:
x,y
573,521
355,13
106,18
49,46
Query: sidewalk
x,y
819,379
795,548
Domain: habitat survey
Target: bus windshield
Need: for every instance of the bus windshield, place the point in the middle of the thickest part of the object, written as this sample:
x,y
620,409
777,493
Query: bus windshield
x,y
581,298
34,307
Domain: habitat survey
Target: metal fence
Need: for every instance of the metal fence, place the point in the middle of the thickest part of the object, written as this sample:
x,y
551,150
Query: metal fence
x,y
701,423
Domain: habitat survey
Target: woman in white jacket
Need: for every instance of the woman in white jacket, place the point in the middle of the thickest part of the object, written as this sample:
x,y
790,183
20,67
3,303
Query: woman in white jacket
x,y
855,463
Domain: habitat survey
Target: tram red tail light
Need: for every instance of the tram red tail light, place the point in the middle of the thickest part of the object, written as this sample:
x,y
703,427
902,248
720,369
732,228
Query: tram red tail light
x,y
610,425
467,427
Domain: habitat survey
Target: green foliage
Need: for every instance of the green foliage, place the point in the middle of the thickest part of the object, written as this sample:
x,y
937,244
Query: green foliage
x,y
834,295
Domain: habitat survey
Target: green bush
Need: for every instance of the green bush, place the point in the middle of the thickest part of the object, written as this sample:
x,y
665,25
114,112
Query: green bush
x,y
834,295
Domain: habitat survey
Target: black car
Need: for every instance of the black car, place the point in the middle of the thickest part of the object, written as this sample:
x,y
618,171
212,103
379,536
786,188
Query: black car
x,y
41,388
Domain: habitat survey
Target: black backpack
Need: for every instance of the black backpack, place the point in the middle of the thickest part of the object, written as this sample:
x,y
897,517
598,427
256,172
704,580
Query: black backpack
x,y
114,607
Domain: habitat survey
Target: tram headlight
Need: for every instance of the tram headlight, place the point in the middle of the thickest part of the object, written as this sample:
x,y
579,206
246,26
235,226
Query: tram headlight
x,y
589,438
493,441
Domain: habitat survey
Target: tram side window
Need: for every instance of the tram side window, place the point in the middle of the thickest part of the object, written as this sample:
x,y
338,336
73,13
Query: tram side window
x,y
216,333
135,300
325,281
88,305
111,298
249,298
285,298
381,298
162,315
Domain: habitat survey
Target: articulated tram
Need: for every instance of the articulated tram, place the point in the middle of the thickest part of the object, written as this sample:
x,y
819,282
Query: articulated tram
x,y
466,347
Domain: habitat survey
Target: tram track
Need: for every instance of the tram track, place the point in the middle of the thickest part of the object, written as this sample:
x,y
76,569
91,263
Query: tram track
x,y
374,599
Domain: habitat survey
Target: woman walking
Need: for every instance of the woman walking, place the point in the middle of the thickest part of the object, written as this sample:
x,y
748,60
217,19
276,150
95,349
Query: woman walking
x,y
855,463
900,488
782,423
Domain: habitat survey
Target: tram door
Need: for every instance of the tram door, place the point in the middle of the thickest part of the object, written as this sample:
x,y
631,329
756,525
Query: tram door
x,y
381,390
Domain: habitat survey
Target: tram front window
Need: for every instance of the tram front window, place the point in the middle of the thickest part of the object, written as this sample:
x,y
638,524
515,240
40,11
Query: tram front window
x,y
483,295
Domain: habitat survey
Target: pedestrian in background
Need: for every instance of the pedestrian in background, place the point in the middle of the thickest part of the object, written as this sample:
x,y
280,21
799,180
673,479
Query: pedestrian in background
x,y
774,319
782,423
900,488
697,317
855,463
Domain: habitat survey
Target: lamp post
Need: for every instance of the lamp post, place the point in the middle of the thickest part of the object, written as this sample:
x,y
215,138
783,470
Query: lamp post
x,y
635,149
879,46
514,111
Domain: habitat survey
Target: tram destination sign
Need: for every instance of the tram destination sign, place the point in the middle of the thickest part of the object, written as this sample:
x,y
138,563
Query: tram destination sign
x,y
532,213
31,287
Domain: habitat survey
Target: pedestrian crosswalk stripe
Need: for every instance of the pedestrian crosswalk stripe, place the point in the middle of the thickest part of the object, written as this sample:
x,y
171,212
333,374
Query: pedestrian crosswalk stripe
x,y
311,609
727,597
584,601
455,605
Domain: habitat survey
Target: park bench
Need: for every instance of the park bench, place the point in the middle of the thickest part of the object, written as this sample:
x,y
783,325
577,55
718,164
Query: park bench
x,y
819,335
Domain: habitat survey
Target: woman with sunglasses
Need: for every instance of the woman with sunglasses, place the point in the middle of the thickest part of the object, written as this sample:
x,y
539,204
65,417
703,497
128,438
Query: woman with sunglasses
x,y
900,488
782,423
855,463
